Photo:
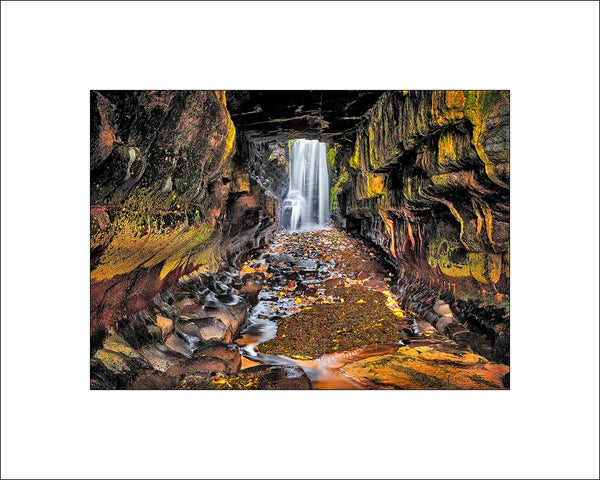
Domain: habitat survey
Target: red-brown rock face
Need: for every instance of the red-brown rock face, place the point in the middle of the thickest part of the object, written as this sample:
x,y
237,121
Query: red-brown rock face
x,y
166,198
428,181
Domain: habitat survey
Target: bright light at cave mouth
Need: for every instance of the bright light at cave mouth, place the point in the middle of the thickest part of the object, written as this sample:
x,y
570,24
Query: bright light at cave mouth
x,y
307,204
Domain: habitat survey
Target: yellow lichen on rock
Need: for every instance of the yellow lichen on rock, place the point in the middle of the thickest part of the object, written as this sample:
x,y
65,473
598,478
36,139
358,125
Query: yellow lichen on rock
x,y
208,259
376,185
388,224
127,251
370,185
478,106
230,137
180,252
455,99
332,151
440,253
114,361
485,267
337,188
425,368
116,343
446,152
355,159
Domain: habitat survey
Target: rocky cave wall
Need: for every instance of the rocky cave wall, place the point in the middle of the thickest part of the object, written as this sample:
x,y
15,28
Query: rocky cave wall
x,y
428,181
169,195
175,189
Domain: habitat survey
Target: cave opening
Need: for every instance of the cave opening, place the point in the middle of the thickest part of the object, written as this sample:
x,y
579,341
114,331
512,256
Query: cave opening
x,y
334,233
307,204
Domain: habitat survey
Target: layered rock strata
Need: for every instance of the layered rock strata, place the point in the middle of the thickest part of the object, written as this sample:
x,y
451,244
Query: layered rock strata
x,y
428,181
183,340
422,174
167,196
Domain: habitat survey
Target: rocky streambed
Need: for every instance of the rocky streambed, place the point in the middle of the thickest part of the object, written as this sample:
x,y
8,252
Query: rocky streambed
x,y
310,310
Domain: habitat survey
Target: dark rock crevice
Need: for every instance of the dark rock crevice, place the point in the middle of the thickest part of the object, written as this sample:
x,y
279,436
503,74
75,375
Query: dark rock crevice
x,y
281,115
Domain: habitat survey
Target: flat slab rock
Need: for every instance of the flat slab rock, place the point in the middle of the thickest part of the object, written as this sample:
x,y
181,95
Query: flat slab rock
x,y
426,368
263,377
162,357
154,380
280,258
307,264
216,358
199,364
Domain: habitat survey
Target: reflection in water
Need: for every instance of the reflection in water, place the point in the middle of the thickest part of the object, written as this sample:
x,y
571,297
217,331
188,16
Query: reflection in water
x,y
326,369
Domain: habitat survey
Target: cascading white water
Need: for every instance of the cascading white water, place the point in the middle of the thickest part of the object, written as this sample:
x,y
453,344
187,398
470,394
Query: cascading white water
x,y
306,206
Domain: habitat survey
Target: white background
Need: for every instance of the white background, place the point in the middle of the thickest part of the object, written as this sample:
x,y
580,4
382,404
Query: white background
x,y
546,53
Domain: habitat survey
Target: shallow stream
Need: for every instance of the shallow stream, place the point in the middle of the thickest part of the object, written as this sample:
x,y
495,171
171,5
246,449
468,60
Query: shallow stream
x,y
324,303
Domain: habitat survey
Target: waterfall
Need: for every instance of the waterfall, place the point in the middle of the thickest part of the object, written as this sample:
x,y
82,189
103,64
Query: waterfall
x,y
306,206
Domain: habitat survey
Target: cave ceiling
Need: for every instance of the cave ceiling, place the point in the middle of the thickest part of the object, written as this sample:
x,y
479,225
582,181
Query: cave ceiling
x,y
278,115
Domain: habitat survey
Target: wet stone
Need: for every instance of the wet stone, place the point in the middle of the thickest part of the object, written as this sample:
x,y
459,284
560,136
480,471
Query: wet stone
x,y
307,265
377,276
124,368
185,302
267,297
190,332
229,299
287,377
334,282
231,316
263,377
212,328
318,306
276,280
442,308
177,344
250,291
200,364
154,380
188,309
226,352
291,275
450,327
280,258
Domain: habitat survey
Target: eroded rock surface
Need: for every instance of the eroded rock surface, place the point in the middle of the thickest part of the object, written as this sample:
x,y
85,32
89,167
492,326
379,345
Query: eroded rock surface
x,y
428,368
348,330
263,377
155,348
167,197
427,180
176,195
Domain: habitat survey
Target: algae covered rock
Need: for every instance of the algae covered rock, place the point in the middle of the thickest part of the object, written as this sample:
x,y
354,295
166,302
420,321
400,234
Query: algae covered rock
x,y
262,377
427,180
